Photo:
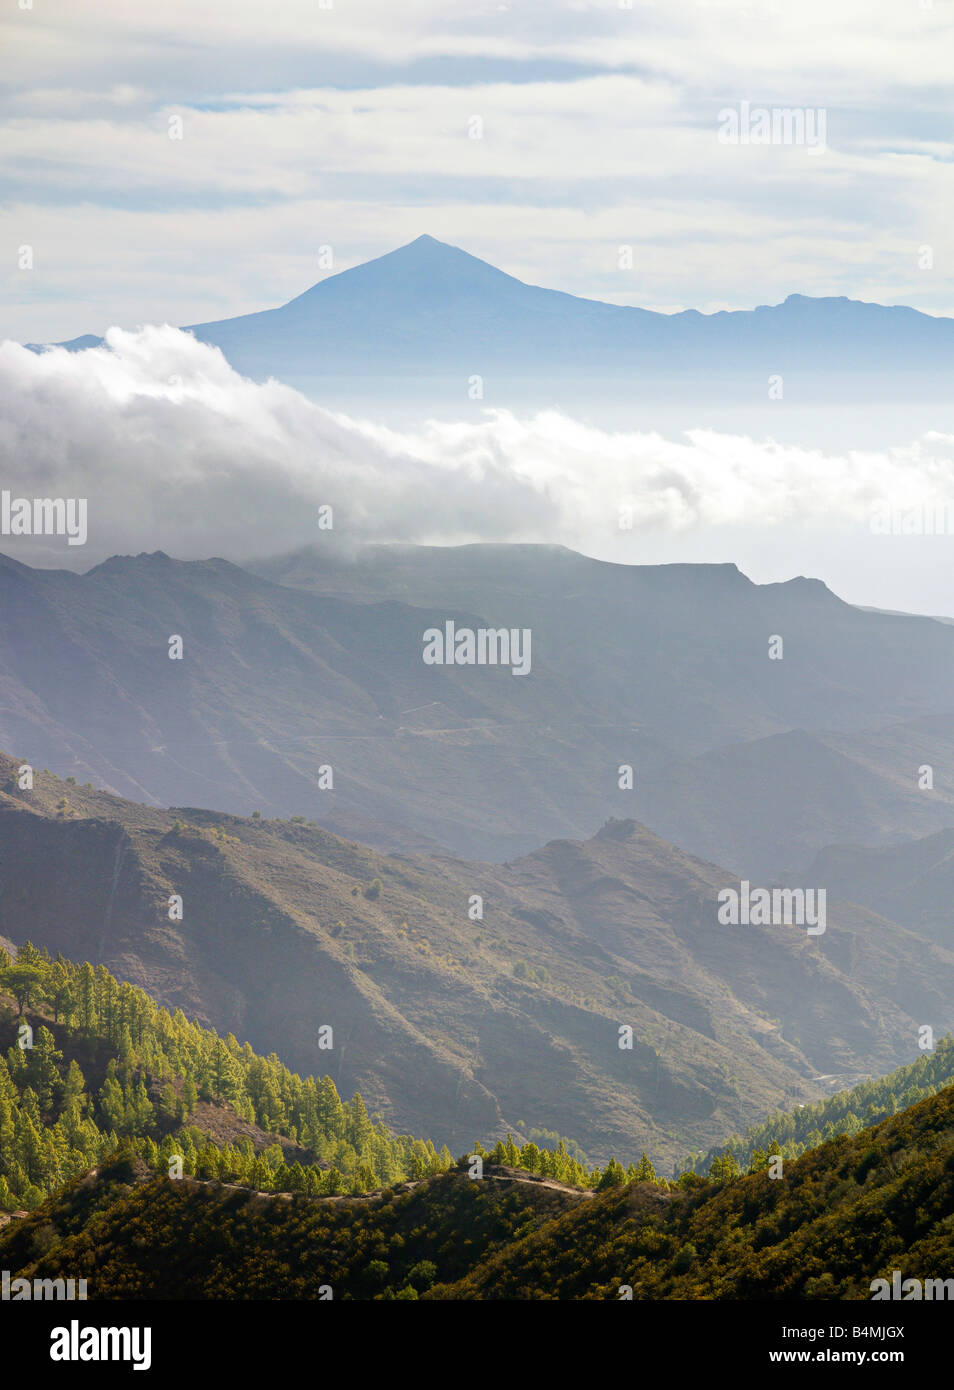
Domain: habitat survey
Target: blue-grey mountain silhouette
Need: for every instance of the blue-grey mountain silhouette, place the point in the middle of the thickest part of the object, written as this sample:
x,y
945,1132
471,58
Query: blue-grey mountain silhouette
x,y
428,313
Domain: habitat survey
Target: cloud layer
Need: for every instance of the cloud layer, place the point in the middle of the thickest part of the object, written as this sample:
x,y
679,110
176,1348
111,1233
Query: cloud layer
x,y
176,451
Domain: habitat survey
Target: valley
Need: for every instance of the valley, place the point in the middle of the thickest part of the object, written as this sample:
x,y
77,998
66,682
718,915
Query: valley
x,y
469,997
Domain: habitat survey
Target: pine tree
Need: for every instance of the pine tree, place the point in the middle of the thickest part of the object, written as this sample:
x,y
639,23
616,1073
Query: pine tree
x,y
645,1172
23,981
360,1129
613,1176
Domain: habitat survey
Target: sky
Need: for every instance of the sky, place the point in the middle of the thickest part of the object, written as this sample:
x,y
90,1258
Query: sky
x,y
348,125
177,163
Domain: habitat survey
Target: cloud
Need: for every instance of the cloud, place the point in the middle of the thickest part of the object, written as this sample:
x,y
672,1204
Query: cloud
x,y
872,47
174,450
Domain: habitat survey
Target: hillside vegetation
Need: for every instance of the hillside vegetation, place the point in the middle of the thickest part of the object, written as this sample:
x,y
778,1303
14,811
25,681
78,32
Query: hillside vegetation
x,y
110,1066
456,1025
791,1133
113,1066
852,1210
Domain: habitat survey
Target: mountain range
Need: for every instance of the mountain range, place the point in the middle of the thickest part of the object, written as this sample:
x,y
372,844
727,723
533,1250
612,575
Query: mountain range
x,y
360,802
427,319
316,662
456,1024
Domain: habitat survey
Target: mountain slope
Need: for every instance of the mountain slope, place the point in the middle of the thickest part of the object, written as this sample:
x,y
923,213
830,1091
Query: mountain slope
x,y
455,1027
683,648
846,1112
429,312
841,1216
743,760
129,1234
912,883
754,763
273,686
772,804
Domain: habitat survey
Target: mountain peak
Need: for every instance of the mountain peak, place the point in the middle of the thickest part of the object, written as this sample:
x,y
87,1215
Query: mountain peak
x,y
429,312
422,273
423,244
431,246
420,280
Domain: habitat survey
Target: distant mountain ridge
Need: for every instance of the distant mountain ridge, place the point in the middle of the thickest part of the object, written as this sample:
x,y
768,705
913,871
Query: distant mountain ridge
x,y
913,883
316,661
744,761
432,312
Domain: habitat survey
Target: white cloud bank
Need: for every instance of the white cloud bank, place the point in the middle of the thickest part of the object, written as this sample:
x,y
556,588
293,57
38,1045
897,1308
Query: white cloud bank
x,y
174,450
